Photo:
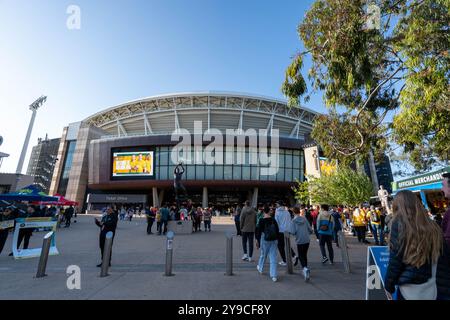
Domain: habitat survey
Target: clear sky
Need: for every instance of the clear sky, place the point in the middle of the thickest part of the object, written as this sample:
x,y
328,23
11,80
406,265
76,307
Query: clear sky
x,y
127,50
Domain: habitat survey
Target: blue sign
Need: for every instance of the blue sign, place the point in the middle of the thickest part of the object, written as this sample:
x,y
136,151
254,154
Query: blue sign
x,y
380,255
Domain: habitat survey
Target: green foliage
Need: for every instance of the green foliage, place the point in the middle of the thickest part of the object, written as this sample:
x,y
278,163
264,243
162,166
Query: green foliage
x,y
301,191
402,67
345,186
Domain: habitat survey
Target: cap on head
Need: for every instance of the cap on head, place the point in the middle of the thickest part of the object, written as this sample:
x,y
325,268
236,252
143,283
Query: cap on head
x,y
280,203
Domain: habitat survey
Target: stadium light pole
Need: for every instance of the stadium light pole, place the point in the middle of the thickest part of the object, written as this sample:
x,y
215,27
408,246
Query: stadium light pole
x,y
33,107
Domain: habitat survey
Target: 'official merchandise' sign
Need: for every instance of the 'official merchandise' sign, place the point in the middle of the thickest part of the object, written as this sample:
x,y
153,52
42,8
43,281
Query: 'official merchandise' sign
x,y
432,177
33,223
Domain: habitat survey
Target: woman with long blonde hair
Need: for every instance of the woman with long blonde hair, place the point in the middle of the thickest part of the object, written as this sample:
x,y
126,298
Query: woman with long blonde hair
x,y
415,245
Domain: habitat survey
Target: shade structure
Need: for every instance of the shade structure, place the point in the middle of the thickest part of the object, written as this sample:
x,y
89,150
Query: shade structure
x,y
30,193
60,202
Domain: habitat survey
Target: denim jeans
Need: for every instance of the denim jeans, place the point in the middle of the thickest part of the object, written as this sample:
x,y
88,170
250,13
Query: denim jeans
x,y
268,248
248,237
377,231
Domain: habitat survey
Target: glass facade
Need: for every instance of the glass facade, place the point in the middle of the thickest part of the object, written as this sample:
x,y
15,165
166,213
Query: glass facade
x,y
290,163
64,180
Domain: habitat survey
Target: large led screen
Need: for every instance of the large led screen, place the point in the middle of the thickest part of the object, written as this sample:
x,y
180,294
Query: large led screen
x,y
133,164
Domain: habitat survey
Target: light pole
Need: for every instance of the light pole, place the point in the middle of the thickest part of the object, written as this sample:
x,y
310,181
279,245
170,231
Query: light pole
x,y
33,107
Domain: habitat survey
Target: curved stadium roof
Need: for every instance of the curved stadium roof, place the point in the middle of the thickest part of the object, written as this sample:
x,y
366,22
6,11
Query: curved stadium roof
x,y
162,114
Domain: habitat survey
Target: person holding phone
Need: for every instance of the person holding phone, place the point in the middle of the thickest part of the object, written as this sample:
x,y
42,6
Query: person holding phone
x,y
108,223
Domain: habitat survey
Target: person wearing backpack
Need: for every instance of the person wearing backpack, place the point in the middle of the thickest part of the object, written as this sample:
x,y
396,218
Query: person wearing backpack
x,y
302,231
375,222
268,243
325,227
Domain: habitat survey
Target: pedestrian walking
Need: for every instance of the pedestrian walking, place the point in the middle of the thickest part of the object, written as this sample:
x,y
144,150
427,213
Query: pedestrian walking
x,y
337,225
207,219
325,227
68,216
108,223
165,213
314,215
258,231
199,218
268,243
359,223
123,213
248,226
158,221
375,222
283,218
443,268
302,231
150,214
415,246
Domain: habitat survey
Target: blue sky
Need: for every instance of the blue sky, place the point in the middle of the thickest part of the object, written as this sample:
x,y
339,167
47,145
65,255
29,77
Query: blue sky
x,y
131,49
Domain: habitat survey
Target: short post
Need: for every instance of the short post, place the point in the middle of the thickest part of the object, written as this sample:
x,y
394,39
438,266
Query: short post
x,y
44,255
229,254
169,254
106,255
287,250
344,251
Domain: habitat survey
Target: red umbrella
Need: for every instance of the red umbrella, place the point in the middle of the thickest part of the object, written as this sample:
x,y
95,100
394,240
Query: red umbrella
x,y
61,202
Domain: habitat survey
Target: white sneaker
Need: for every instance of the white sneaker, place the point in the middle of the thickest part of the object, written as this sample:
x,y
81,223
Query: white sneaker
x,y
259,270
274,279
282,263
244,257
306,274
249,259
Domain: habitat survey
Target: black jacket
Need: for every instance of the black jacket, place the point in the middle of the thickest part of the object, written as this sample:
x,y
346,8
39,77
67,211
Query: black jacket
x,y
399,273
443,272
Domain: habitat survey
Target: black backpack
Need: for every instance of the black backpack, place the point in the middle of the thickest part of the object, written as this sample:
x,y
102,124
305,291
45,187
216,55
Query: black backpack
x,y
270,232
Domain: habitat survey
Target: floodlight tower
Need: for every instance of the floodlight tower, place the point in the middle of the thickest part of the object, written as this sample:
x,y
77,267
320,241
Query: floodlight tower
x,y
33,107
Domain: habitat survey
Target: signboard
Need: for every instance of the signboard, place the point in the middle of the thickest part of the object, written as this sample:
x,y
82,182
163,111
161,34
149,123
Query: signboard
x,y
116,198
33,223
6,224
312,167
133,164
432,177
377,264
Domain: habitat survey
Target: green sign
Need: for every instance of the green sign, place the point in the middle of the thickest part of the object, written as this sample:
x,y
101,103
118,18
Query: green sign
x,y
428,178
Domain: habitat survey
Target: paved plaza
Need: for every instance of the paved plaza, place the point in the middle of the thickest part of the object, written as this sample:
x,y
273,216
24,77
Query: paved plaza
x,y
199,266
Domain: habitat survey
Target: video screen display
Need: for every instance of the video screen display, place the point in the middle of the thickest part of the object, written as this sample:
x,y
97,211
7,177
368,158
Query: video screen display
x,y
133,164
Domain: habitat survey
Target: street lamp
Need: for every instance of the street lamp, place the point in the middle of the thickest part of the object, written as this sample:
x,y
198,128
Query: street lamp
x,y
33,107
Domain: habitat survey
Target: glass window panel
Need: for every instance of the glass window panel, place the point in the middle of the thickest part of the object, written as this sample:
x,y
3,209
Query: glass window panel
x,y
272,177
296,152
218,171
200,172
164,158
227,172
209,173
280,174
281,159
296,174
246,173
288,161
163,173
288,176
296,162
255,173
170,173
237,172
190,172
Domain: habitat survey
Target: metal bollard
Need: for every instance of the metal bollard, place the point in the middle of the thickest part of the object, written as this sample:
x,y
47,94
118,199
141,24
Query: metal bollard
x,y
344,251
106,254
44,255
229,254
287,250
169,254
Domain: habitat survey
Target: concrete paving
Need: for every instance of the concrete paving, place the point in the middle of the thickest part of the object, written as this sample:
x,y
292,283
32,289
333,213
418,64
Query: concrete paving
x,y
198,264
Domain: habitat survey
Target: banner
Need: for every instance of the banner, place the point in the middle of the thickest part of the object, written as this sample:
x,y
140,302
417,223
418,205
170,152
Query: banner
x,y
377,264
312,161
327,167
132,164
47,224
6,224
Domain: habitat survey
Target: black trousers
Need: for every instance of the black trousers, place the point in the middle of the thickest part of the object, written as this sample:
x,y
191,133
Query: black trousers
x,y
248,237
102,239
24,234
361,233
303,254
3,237
149,226
238,228
207,224
68,218
281,247
163,226
328,240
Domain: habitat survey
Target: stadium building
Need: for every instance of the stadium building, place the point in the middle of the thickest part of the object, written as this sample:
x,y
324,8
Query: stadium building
x,y
124,154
